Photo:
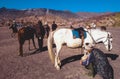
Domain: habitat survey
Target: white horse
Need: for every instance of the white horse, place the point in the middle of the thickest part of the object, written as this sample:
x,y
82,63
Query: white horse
x,y
65,36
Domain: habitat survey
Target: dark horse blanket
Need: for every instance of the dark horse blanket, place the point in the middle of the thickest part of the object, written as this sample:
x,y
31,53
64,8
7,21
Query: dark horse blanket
x,y
102,66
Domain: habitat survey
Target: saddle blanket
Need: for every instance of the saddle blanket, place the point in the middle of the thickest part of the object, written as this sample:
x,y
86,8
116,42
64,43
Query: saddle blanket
x,y
75,34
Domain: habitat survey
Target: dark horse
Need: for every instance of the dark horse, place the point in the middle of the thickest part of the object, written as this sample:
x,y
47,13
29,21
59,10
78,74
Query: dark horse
x,y
25,33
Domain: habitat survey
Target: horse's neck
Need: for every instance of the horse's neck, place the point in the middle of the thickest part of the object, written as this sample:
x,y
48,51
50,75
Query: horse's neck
x,y
97,35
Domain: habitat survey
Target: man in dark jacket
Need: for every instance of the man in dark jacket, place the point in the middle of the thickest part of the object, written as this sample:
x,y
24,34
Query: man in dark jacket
x,y
47,29
40,32
54,26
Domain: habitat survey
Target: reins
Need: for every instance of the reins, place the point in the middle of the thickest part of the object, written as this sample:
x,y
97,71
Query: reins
x,y
91,37
108,38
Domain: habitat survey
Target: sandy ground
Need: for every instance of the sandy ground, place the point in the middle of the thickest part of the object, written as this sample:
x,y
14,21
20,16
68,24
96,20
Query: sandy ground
x,y
37,65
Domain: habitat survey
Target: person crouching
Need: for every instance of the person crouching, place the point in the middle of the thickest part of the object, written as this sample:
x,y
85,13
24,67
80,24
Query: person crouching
x,y
88,61
97,63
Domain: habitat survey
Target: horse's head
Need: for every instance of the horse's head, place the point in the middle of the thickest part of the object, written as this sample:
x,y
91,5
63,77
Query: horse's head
x,y
108,41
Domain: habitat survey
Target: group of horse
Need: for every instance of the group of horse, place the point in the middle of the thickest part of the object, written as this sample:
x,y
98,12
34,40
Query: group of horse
x,y
28,33
64,36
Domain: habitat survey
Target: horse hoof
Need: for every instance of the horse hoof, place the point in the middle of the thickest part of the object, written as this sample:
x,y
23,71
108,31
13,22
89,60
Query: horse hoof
x,y
59,63
57,67
20,55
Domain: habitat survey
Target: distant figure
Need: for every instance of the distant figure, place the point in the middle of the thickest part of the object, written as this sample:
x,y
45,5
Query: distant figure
x,y
40,32
71,26
47,29
103,28
54,26
20,24
14,28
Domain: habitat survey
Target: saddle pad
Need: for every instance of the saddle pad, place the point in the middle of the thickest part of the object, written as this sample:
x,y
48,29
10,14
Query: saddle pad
x,y
75,34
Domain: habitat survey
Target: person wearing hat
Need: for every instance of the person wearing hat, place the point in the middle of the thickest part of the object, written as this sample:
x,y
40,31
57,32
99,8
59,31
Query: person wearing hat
x,y
88,59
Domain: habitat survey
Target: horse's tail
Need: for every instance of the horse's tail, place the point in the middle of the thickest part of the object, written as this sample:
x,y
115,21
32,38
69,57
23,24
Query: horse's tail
x,y
50,45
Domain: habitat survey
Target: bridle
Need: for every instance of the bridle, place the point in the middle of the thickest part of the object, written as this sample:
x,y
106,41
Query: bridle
x,y
107,39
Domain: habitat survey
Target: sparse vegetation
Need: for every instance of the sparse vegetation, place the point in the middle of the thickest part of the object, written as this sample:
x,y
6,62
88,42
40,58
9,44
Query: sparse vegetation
x,y
62,18
116,18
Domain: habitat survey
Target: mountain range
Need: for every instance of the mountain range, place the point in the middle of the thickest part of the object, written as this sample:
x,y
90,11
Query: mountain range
x,y
61,16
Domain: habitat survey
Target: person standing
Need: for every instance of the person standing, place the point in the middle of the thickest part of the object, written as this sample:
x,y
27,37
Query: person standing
x,y
47,29
40,32
54,26
14,28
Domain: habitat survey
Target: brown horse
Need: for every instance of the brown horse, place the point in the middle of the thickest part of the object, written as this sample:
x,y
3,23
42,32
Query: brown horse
x,y
25,33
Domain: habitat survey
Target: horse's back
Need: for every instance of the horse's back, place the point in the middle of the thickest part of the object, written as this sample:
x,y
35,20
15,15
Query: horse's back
x,y
26,33
61,34
65,35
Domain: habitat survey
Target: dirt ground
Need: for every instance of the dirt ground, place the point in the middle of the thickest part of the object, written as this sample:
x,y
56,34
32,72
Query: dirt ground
x,y
37,65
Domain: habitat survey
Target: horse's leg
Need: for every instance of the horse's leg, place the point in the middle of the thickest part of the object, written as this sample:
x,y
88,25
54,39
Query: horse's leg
x,y
29,44
12,34
21,42
40,43
57,60
81,50
21,49
33,43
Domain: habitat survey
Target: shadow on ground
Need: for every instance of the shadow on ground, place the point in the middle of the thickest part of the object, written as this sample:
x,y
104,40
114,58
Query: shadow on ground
x,y
71,59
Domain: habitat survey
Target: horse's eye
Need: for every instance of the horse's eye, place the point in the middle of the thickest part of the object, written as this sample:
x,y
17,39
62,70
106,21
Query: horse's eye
x,y
87,43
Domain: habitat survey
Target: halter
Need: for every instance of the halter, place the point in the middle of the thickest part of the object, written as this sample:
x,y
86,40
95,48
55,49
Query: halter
x,y
108,38
91,37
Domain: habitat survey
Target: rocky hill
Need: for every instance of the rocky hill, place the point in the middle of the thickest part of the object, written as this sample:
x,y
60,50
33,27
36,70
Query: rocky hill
x,y
32,15
62,18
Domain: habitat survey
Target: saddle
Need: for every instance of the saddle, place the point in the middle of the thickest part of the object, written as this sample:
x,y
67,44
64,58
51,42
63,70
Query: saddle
x,y
79,33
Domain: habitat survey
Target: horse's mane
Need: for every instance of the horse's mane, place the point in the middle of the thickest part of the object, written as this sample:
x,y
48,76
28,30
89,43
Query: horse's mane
x,y
97,29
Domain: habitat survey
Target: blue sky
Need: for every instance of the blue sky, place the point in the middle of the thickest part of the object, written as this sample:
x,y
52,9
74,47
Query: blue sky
x,y
71,5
